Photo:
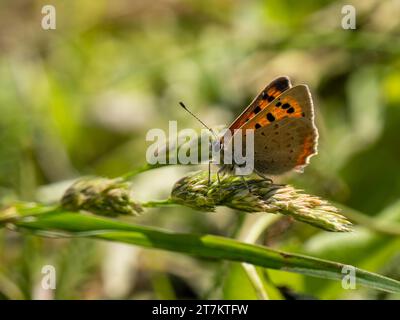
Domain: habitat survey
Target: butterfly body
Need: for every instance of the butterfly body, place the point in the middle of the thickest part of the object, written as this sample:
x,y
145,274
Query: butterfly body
x,y
285,136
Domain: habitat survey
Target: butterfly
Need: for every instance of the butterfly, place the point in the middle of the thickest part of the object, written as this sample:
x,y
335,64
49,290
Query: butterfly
x,y
285,135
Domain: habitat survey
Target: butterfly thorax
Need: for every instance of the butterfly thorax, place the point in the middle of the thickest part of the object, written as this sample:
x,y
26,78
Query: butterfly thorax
x,y
227,162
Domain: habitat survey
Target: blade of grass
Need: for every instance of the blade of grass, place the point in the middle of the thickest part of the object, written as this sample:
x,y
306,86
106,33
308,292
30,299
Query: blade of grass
x,y
206,246
251,236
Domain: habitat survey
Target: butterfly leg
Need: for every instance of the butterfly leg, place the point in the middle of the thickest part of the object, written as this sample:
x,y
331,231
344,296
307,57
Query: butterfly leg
x,y
245,183
218,173
264,177
209,173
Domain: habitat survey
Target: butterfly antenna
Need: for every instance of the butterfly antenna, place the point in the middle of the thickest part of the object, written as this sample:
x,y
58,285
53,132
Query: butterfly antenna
x,y
194,116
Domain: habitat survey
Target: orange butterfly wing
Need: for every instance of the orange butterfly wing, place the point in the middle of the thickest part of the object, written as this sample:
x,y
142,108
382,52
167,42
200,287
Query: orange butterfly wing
x,y
263,99
295,102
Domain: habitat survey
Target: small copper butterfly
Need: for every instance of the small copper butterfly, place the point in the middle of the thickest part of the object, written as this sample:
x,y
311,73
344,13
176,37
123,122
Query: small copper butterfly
x,y
285,136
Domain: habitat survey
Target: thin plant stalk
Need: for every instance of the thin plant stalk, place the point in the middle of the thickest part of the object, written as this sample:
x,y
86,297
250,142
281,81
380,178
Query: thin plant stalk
x,y
251,236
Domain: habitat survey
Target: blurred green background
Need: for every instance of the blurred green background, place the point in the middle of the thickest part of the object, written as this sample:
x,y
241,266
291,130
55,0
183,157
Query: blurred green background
x,y
79,100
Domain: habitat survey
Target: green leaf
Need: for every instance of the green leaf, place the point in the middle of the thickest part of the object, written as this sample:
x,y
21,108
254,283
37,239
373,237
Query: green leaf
x,y
236,278
62,223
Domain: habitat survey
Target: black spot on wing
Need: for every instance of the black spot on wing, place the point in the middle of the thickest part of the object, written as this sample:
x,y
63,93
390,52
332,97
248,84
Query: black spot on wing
x,y
267,97
264,95
290,110
270,117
